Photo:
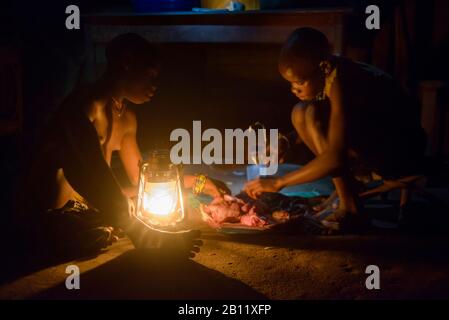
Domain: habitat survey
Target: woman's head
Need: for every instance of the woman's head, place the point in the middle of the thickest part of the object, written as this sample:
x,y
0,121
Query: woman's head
x,y
133,63
300,60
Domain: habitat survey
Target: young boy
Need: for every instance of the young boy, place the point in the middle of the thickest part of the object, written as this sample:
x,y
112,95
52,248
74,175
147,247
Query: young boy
x,y
352,116
70,194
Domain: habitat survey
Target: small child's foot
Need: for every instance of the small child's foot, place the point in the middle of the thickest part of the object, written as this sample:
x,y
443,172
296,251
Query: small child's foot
x,y
330,201
343,221
330,218
331,207
180,243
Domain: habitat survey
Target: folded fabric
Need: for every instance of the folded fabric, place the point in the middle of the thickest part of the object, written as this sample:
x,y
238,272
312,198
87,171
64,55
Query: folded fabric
x,y
269,210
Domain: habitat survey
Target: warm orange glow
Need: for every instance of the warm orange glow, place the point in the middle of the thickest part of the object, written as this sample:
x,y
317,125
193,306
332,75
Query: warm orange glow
x,y
160,198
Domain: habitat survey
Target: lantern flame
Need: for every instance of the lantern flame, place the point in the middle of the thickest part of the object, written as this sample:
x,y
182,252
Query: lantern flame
x,y
160,198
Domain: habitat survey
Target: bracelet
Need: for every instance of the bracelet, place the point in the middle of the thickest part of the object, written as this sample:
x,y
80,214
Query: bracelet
x,y
200,183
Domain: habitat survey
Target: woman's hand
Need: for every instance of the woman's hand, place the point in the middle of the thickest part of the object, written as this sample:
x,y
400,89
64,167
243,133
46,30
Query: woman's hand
x,y
211,189
255,188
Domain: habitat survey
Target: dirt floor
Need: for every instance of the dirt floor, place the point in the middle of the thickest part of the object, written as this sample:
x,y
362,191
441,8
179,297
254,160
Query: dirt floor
x,y
259,266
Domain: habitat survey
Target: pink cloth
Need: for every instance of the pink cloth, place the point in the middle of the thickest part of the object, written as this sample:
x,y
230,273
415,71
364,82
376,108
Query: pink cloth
x,y
232,210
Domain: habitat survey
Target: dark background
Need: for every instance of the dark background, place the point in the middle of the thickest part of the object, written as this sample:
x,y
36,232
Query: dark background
x,y
52,56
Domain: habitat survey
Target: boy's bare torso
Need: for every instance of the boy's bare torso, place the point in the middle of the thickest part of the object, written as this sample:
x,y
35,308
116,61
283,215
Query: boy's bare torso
x,y
96,110
98,116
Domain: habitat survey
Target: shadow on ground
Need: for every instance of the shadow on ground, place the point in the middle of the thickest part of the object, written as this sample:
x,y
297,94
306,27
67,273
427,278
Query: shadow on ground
x,y
21,260
432,249
147,274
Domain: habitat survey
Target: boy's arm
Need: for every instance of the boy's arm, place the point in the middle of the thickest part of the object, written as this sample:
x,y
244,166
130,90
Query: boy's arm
x,y
129,152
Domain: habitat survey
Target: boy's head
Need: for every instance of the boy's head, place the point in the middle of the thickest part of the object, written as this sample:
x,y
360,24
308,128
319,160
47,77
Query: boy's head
x,y
134,62
299,62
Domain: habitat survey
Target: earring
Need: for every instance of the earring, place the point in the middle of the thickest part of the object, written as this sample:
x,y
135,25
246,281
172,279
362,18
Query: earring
x,y
326,67
320,96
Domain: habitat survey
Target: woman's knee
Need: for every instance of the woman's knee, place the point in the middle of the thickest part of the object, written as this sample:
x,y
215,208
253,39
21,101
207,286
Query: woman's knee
x,y
298,115
316,118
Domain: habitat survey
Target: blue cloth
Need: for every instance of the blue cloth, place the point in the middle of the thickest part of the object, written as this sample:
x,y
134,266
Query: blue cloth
x,y
235,179
306,190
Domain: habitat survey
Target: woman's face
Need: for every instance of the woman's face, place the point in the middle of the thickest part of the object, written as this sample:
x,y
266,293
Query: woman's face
x,y
305,89
139,86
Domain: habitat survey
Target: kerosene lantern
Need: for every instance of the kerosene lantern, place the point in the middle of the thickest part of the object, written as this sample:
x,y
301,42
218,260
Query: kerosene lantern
x,y
160,197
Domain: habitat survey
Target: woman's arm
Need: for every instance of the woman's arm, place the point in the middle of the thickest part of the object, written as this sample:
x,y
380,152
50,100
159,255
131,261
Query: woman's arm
x,y
332,159
210,188
329,162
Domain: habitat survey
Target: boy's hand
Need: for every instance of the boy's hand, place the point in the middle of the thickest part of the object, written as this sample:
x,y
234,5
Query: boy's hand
x,y
130,192
132,210
256,187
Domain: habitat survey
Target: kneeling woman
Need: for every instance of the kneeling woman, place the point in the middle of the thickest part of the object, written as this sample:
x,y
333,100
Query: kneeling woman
x,y
352,116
